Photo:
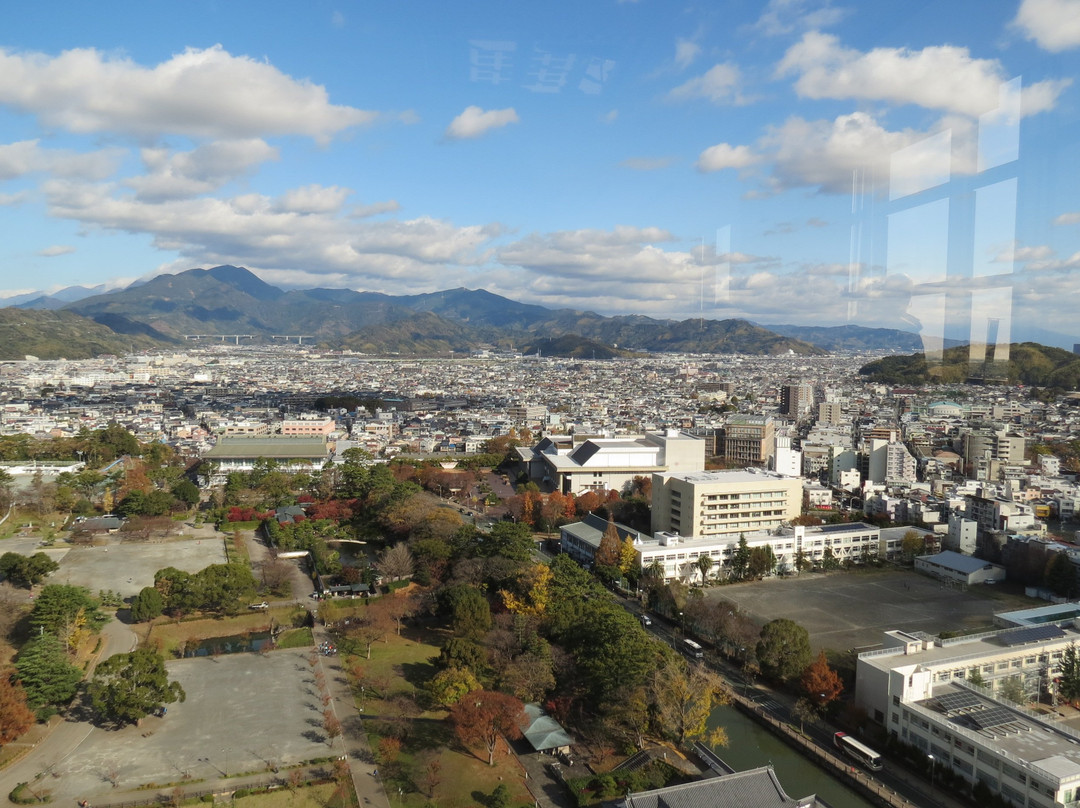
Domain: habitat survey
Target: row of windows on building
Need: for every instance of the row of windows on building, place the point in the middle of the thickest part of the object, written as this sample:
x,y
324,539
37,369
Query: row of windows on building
x,y
969,767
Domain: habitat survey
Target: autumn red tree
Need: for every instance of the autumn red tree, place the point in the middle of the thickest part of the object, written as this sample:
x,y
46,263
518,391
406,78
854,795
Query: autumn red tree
x,y
587,502
15,717
821,683
607,554
484,716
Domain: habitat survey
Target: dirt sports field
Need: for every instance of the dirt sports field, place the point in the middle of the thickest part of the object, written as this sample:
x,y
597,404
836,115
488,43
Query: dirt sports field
x,y
847,610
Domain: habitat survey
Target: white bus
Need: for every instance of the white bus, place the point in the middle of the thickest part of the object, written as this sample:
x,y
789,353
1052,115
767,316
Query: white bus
x,y
857,751
692,649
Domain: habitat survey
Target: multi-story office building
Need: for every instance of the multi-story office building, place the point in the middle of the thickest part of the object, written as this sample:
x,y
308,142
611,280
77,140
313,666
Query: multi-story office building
x,y
748,439
723,503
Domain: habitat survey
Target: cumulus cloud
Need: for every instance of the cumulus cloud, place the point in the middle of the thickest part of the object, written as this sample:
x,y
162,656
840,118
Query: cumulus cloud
x,y
942,77
312,199
826,153
1068,218
55,250
13,199
724,155
720,85
625,270
646,163
198,93
474,122
301,228
206,168
1053,25
28,157
626,253
374,209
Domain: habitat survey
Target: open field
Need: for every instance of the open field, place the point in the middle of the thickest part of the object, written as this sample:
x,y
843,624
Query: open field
x,y
126,567
851,610
244,713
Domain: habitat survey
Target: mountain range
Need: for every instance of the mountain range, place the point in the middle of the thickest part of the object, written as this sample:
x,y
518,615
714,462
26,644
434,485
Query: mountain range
x,y
232,300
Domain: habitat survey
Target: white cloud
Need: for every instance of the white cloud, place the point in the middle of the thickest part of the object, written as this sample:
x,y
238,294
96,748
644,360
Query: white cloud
x,y
55,250
206,168
720,85
474,122
1023,254
724,155
28,157
374,209
646,163
686,51
1068,218
610,116
1053,25
942,77
826,153
623,270
337,19
302,228
199,93
13,199
312,199
785,16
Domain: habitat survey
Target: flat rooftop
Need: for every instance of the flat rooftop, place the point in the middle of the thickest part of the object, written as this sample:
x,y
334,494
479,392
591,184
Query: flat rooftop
x,y
1052,748
728,477
978,646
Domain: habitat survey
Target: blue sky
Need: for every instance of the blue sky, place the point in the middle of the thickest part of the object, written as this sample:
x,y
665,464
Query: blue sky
x,y
909,165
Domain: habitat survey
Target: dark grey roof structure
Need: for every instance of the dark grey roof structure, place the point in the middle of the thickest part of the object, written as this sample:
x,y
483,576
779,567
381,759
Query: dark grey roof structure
x,y
755,788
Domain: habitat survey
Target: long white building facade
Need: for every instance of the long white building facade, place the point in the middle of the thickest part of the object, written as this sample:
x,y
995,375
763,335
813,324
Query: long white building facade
x,y
943,696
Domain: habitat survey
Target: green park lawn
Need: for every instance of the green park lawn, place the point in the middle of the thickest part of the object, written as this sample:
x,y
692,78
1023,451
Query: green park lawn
x,y
403,664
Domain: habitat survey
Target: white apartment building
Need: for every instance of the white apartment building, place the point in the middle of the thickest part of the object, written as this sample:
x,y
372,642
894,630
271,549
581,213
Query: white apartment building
x,y
679,555
602,464
723,503
919,689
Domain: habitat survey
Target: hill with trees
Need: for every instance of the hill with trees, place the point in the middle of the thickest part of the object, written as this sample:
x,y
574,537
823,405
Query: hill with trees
x,y
63,335
1029,363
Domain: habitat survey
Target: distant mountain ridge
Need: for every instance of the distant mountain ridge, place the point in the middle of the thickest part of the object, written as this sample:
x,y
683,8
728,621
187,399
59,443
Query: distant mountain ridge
x,y
855,337
233,300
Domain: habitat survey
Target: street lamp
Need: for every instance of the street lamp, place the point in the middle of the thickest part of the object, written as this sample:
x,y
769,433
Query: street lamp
x,y
931,771
225,752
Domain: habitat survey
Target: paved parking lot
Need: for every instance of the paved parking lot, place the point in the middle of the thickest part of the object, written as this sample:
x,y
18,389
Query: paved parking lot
x,y
129,566
851,610
243,714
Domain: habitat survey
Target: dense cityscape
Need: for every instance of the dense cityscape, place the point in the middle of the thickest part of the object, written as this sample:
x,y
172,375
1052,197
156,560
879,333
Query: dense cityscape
x,y
454,515
609,404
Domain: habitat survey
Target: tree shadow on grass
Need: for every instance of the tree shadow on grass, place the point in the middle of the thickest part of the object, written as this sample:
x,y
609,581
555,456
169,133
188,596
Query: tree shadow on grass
x,y
417,674
430,733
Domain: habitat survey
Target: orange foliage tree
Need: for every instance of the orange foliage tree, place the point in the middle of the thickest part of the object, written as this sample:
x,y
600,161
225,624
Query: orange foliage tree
x,y
483,716
821,683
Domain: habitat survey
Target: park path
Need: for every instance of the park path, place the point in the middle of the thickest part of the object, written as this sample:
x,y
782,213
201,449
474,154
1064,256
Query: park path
x,y
353,742
61,739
